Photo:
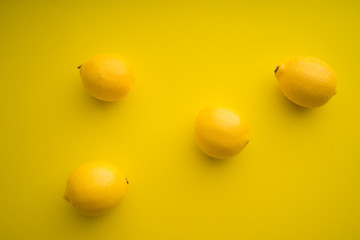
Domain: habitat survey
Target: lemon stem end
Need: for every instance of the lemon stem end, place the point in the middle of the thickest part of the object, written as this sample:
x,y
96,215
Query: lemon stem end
x,y
276,69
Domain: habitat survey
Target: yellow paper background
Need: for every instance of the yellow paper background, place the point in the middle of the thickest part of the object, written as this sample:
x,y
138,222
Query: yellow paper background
x,y
299,178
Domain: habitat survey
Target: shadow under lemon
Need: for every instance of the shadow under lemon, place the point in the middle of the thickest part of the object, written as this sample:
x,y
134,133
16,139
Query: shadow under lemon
x,y
75,222
97,103
285,105
205,159
207,163
84,104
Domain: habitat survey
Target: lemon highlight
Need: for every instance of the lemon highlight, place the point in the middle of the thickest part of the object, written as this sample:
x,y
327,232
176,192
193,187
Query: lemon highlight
x,y
220,133
95,187
306,81
107,77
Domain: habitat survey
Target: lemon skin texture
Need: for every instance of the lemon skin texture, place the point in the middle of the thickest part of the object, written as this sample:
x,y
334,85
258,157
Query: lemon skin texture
x,y
107,77
95,187
307,81
220,133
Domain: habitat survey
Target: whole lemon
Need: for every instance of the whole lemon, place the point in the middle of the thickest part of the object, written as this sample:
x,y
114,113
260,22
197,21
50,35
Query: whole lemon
x,y
220,133
306,81
107,77
95,187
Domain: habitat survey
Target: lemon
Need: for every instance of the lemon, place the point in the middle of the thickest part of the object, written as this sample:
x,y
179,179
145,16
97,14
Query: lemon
x,y
95,187
107,77
306,81
220,133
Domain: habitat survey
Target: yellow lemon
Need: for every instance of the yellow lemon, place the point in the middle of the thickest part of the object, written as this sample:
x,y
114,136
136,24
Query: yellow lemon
x,y
306,81
220,133
107,77
95,187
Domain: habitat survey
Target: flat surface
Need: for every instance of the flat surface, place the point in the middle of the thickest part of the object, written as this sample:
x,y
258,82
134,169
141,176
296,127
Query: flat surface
x,y
299,178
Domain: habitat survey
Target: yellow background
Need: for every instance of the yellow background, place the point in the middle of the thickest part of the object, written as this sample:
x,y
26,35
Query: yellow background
x,y
299,178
